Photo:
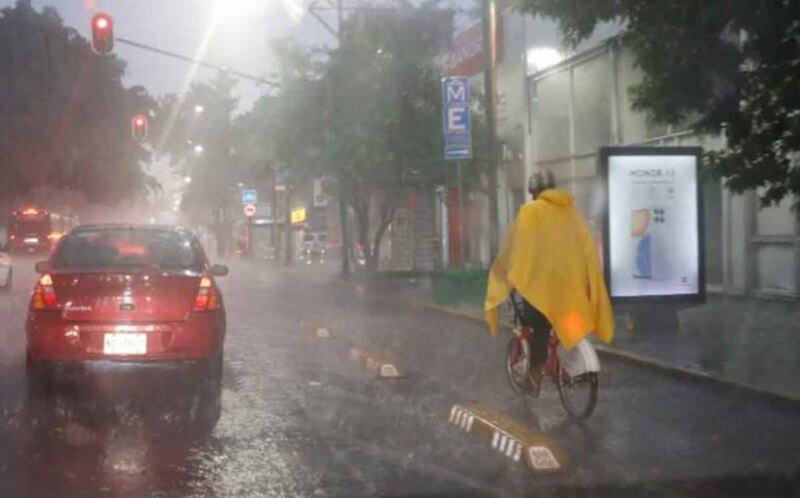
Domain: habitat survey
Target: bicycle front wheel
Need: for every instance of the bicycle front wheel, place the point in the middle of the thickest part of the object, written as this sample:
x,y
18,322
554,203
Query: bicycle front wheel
x,y
578,394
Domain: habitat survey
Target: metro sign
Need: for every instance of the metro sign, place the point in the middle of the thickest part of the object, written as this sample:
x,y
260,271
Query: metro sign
x,y
456,118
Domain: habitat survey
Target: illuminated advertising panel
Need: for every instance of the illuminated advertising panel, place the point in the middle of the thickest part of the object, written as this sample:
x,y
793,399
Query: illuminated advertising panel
x,y
653,225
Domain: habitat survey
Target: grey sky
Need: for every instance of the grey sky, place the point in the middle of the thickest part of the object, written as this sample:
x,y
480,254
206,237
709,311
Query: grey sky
x,y
239,34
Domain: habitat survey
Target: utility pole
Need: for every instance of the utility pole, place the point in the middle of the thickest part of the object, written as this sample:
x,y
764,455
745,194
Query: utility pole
x,y
342,201
345,236
490,80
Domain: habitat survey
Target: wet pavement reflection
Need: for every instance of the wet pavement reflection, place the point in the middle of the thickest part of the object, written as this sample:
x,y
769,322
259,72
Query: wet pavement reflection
x,y
294,416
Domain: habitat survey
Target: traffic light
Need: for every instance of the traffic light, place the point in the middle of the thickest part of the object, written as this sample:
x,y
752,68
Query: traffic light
x,y
139,127
102,33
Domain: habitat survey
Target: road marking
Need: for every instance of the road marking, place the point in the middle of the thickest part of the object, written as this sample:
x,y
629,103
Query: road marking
x,y
378,364
509,437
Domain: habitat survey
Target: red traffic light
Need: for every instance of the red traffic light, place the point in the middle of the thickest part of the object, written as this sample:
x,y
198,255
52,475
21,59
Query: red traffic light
x,y
139,127
102,33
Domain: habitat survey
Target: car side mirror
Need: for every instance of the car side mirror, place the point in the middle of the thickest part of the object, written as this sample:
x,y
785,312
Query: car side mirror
x,y
219,270
43,267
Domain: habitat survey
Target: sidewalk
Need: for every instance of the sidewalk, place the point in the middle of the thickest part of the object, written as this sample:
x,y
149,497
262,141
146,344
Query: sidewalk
x,y
748,342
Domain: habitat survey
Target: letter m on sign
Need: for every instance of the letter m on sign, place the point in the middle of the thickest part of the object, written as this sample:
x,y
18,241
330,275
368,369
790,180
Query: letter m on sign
x,y
455,90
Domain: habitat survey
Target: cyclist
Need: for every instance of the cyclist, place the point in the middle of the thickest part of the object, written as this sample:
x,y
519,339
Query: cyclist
x,y
549,258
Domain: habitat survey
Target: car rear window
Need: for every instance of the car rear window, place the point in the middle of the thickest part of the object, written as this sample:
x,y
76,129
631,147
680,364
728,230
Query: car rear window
x,y
127,248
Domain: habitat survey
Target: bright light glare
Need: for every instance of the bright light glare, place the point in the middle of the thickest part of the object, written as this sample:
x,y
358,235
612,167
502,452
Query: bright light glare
x,y
198,149
187,179
541,58
102,23
198,109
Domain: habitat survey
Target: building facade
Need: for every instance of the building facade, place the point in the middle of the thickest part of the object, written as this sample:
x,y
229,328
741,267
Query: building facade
x,y
557,106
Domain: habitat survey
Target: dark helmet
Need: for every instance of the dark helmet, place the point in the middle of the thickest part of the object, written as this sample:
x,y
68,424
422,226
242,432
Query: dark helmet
x,y
540,181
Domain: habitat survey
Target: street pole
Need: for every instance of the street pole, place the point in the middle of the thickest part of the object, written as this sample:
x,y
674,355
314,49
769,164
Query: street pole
x,y
288,255
274,213
490,78
342,201
462,236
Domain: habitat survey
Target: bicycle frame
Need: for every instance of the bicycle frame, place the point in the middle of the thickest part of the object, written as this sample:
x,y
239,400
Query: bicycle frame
x,y
553,366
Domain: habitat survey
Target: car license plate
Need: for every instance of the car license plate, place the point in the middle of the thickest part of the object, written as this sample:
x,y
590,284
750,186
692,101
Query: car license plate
x,y
125,343
31,240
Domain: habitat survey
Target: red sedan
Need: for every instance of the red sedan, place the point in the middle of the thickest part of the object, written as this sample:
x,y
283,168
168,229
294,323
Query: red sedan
x,y
126,293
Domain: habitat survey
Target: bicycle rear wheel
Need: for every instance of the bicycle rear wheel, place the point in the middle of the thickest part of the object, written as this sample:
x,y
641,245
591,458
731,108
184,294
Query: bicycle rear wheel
x,y
578,394
517,367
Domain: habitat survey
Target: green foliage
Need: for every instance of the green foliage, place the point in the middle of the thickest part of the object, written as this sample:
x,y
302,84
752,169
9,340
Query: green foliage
x,y
735,64
215,170
64,114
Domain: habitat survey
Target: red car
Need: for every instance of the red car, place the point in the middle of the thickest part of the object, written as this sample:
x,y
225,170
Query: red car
x,y
126,293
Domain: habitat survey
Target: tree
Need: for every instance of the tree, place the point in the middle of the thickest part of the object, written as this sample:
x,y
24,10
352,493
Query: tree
x,y
65,115
385,130
196,131
734,65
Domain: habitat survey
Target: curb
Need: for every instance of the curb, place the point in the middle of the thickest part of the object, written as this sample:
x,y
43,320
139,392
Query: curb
x,y
626,356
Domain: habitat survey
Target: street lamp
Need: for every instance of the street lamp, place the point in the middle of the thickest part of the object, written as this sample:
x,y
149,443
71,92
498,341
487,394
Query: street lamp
x,y
198,149
199,108
187,179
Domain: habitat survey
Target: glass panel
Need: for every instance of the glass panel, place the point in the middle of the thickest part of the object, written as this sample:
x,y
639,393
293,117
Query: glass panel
x,y
592,104
551,116
712,213
633,124
127,248
776,220
776,268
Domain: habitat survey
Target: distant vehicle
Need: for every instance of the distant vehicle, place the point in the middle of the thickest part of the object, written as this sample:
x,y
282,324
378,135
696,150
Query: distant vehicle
x,y
126,293
6,271
33,230
314,247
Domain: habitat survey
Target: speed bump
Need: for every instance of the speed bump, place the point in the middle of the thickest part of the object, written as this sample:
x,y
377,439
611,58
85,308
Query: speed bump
x,y
510,438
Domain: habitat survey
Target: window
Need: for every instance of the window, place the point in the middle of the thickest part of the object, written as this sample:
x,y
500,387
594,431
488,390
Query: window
x,y
128,248
592,104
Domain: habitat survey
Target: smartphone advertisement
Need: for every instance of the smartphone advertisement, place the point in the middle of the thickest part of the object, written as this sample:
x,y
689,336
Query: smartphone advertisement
x,y
653,239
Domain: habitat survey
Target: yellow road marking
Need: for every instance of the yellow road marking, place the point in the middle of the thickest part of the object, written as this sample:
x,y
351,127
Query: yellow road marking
x,y
510,438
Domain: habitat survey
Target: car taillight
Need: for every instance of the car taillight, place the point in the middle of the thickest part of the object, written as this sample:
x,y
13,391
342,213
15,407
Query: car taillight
x,y
206,299
44,297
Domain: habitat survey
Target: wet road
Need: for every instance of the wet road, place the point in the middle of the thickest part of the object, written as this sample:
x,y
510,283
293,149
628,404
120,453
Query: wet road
x,y
296,416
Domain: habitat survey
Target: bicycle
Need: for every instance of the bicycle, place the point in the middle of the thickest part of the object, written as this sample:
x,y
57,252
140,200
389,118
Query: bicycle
x,y
574,372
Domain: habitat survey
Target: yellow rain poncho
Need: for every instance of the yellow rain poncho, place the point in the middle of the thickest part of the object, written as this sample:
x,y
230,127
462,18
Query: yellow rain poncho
x,y
549,257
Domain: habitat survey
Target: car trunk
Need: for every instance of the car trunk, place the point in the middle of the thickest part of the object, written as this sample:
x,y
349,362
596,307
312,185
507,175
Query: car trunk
x,y
125,296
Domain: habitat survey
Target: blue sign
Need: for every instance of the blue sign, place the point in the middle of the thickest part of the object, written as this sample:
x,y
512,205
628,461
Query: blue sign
x,y
249,197
456,118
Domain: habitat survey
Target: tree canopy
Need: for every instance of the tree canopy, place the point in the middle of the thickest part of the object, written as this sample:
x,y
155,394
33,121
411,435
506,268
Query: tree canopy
x,y
734,65
65,114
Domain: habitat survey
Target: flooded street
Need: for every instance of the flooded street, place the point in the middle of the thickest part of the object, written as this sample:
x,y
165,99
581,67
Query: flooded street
x,y
298,415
